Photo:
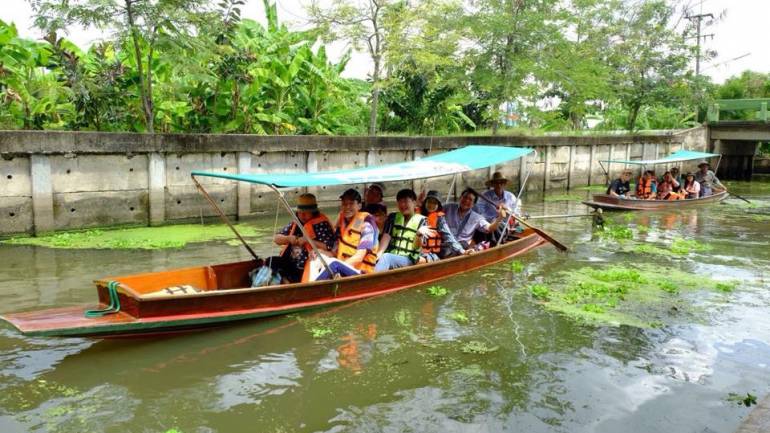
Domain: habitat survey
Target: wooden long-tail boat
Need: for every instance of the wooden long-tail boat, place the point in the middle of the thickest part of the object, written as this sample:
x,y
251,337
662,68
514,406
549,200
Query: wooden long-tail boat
x,y
226,296
616,203
203,296
608,202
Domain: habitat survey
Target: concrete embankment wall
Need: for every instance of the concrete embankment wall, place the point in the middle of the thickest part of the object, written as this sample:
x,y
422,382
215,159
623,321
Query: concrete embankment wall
x,y
53,181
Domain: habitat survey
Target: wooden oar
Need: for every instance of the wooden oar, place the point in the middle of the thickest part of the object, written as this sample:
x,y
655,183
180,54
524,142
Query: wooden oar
x,y
542,217
540,232
737,196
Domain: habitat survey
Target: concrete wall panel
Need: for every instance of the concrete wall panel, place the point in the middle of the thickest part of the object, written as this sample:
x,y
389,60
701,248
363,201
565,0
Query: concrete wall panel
x,y
186,202
15,215
83,173
15,180
263,199
179,166
99,208
581,166
327,161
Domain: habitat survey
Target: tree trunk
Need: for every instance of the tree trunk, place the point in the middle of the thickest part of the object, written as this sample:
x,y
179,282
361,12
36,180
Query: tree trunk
x,y
375,97
633,113
143,91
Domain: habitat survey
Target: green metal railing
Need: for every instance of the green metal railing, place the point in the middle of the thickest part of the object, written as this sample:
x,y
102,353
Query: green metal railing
x,y
738,104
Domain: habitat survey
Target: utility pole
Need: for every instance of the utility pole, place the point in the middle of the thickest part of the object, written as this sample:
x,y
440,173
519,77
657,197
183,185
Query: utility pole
x,y
699,18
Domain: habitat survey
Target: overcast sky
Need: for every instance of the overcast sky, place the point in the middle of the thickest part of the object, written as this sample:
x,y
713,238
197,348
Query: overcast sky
x,y
739,33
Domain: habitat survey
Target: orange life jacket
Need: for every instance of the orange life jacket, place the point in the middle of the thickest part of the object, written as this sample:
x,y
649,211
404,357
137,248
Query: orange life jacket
x,y
350,237
310,232
432,244
644,188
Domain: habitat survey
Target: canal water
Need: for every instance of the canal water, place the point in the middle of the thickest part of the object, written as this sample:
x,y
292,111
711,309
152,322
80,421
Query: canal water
x,y
486,356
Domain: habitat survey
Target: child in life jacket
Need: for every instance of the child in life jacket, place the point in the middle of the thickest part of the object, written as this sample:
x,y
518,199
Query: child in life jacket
x,y
440,242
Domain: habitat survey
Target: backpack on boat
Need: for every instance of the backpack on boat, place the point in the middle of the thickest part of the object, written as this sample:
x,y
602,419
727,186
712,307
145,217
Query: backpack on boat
x,y
264,276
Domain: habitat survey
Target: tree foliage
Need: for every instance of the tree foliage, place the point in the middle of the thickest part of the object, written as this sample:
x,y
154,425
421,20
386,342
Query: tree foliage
x,y
438,66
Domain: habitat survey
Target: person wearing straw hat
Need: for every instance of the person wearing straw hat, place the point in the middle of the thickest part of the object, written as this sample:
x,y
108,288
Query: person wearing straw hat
x,y
709,183
295,248
500,196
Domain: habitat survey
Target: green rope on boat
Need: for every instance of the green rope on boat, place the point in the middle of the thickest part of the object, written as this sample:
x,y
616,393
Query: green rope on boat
x,y
114,307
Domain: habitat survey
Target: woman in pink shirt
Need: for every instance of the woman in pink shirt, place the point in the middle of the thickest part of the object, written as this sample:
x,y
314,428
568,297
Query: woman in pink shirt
x,y
691,186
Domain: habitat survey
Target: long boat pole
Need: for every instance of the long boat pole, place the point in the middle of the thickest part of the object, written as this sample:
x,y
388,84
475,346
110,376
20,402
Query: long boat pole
x,y
223,216
302,229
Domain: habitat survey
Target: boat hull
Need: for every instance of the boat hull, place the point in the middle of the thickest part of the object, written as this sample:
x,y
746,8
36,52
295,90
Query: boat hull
x,y
607,202
140,315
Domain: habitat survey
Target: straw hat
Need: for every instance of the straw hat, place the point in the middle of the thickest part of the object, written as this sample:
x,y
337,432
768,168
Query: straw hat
x,y
704,163
307,202
497,177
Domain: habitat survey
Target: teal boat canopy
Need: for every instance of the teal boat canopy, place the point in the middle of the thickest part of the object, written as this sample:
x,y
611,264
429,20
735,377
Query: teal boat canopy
x,y
678,156
448,163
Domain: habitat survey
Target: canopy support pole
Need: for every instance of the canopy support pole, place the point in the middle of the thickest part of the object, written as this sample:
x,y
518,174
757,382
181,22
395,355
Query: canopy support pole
x,y
718,161
302,229
223,216
451,187
606,173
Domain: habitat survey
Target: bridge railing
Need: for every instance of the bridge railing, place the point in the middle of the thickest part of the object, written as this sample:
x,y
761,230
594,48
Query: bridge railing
x,y
738,104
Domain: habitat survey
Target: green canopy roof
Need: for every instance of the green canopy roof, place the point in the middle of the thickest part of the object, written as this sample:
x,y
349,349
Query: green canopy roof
x,y
678,156
447,163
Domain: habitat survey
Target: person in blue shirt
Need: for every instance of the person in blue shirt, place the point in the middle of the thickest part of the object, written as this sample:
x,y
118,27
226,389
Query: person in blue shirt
x,y
500,196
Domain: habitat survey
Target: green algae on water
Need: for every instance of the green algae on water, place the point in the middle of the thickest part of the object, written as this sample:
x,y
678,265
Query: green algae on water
x,y
147,238
685,246
517,266
634,295
437,291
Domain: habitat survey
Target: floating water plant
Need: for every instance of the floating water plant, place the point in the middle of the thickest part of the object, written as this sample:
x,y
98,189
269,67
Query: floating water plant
x,y
616,232
148,238
478,347
748,400
685,246
635,295
517,267
728,286
403,318
459,317
320,332
437,291
540,291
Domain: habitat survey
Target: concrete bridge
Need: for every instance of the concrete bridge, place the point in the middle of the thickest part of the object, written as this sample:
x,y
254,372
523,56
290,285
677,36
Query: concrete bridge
x,y
738,140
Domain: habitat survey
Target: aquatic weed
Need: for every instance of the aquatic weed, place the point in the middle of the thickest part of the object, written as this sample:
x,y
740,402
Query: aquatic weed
x,y
540,291
437,291
478,347
747,401
682,246
459,317
517,266
403,318
319,332
668,287
616,232
726,287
